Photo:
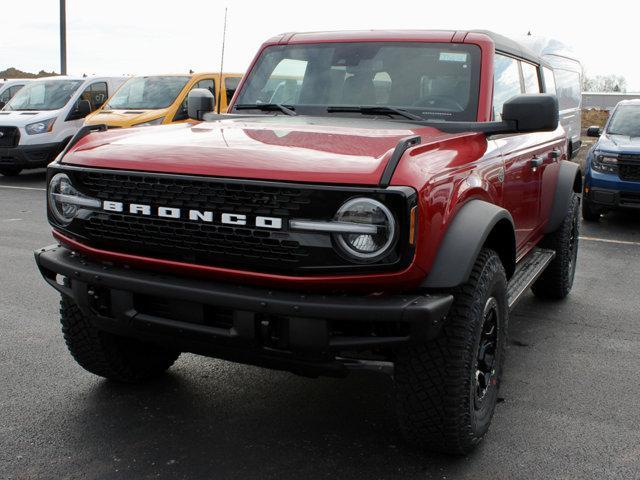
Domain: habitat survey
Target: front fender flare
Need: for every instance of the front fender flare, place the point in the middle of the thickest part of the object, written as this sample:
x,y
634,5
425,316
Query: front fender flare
x,y
468,233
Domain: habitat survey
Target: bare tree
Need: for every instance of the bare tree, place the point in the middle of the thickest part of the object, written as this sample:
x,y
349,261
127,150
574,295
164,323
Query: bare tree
x,y
604,83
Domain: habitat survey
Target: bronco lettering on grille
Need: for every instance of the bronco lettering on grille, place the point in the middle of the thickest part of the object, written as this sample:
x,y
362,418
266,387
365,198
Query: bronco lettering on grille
x,y
274,223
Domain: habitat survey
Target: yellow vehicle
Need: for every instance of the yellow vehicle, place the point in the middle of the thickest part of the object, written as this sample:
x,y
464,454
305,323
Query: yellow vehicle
x,y
160,99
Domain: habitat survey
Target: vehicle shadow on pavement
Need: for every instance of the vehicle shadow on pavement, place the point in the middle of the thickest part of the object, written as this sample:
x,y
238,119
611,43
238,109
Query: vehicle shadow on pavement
x,y
232,421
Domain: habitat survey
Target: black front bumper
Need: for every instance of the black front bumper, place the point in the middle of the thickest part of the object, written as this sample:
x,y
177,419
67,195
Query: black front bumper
x,y
304,333
29,156
607,198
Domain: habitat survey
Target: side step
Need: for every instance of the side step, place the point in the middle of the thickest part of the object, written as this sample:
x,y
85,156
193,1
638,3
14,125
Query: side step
x,y
527,272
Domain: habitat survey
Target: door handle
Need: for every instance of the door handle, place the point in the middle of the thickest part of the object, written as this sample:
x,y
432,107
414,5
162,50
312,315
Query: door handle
x,y
536,161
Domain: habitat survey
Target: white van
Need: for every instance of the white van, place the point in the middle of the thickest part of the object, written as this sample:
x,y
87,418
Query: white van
x,y
9,87
562,74
41,118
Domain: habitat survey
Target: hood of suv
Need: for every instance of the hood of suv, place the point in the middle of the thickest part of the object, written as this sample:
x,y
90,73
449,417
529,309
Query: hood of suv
x,y
619,144
302,149
124,118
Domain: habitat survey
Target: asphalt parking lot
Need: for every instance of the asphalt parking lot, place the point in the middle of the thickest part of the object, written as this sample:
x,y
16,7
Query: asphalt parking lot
x,y
570,404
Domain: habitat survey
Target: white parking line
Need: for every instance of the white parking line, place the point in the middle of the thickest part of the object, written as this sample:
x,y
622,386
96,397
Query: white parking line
x,y
23,188
607,240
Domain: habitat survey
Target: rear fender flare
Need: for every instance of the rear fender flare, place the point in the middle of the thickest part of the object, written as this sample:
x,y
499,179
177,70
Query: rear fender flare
x,y
477,224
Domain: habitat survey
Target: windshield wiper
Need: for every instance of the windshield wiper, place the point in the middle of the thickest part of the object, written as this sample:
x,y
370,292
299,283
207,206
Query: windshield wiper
x,y
268,107
376,110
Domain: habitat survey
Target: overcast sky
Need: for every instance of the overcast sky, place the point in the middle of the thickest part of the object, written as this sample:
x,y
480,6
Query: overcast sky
x,y
160,36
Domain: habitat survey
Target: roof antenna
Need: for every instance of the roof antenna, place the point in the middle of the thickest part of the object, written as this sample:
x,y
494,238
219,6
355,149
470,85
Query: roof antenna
x,y
220,82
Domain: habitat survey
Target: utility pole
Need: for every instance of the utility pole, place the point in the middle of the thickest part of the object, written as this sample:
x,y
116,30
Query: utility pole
x,y
63,37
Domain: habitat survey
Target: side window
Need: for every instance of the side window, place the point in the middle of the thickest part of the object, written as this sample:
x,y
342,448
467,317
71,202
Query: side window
x,y
9,93
96,94
6,95
568,86
549,80
530,76
506,82
182,113
208,84
230,86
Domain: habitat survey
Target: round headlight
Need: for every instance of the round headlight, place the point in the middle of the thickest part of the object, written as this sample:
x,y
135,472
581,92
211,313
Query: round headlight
x,y
374,230
61,195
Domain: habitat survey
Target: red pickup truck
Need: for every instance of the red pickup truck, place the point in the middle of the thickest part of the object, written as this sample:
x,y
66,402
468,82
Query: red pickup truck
x,y
374,200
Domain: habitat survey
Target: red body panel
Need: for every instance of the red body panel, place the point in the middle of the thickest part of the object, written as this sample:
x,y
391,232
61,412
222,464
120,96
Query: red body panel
x,y
446,170
296,149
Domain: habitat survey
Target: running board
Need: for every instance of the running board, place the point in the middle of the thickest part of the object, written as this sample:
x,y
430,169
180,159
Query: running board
x,y
527,272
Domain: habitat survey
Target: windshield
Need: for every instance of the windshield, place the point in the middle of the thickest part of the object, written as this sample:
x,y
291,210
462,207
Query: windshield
x,y
625,121
147,93
432,80
43,95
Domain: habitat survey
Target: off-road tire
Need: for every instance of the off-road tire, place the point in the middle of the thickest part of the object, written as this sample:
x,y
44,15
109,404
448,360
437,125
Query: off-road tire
x,y
589,212
436,382
10,171
556,281
122,359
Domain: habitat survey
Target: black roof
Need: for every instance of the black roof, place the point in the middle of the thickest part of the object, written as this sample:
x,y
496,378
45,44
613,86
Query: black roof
x,y
511,47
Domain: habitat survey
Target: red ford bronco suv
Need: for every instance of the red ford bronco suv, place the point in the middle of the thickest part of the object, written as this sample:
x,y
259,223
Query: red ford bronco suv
x,y
375,200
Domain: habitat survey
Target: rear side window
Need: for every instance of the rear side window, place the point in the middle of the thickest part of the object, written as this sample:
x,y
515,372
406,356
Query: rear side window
x,y
506,82
549,80
568,89
530,77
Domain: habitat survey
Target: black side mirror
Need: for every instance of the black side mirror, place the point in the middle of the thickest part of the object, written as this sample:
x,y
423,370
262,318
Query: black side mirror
x,y
199,102
593,131
2,104
537,112
83,108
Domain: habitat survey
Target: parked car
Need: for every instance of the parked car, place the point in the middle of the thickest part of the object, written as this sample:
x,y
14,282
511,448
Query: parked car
x,y
612,169
8,88
42,117
562,75
378,218
161,99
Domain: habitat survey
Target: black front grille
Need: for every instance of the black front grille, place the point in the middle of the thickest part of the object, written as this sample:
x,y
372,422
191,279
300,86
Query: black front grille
x,y
629,166
230,197
9,136
191,241
213,243
629,171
